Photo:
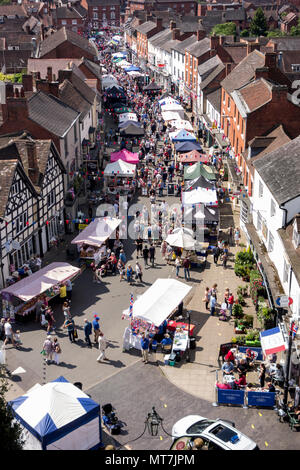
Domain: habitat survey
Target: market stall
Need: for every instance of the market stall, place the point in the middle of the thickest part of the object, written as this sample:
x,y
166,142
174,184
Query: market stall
x,y
199,182
207,219
187,146
125,156
192,172
119,177
169,116
152,308
181,124
20,299
91,239
131,128
127,117
193,157
182,136
200,196
174,108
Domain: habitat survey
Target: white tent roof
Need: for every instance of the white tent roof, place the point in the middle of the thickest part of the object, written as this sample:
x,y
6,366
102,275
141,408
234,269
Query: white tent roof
x,y
200,195
123,63
135,74
55,409
97,231
172,107
181,239
181,124
158,302
120,168
170,116
128,117
168,100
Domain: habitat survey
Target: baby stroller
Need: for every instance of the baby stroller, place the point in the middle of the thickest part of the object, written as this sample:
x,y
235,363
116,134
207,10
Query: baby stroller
x,y
110,420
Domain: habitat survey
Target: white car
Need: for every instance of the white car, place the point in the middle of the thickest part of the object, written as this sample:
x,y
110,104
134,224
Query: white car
x,y
217,434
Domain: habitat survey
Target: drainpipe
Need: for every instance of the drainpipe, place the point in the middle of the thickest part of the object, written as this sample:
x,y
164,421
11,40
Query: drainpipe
x,y
285,215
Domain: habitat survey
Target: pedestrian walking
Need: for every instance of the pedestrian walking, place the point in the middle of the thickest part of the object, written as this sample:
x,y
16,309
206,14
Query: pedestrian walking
x,y
96,328
152,254
121,269
177,265
129,273
212,304
146,255
87,331
213,290
237,237
224,260
9,336
216,254
226,296
230,303
138,272
102,345
145,347
56,350
17,338
139,246
2,330
186,268
70,325
66,310
50,319
122,256
48,348
38,308
69,288
206,297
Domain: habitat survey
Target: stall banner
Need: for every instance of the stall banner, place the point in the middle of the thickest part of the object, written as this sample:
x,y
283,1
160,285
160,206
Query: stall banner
x,y
231,397
261,399
82,226
272,341
259,351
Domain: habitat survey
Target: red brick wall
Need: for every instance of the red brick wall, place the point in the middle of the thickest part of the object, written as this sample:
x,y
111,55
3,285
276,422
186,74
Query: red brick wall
x,y
104,9
68,50
69,25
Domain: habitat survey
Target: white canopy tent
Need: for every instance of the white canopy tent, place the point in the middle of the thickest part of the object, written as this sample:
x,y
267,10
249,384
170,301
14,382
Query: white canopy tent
x,y
58,416
200,196
159,301
170,116
120,168
176,108
97,232
128,117
108,81
181,124
123,64
168,100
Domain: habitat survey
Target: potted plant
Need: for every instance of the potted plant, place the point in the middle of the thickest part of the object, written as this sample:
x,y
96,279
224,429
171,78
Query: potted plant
x,y
242,290
241,300
248,321
240,340
252,338
239,326
237,311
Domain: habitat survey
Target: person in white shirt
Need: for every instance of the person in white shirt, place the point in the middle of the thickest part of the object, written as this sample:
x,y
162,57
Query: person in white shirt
x,y
102,344
8,332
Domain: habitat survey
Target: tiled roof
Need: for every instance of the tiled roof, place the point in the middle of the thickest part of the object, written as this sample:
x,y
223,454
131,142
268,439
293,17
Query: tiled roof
x,y
94,68
237,52
7,171
271,142
199,48
13,10
215,99
69,95
244,71
280,171
51,113
87,92
287,43
63,35
182,45
159,39
255,94
67,13
146,27
209,65
213,74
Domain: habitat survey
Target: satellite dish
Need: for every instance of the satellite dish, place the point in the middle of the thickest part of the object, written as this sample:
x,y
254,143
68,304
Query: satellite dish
x,y
295,358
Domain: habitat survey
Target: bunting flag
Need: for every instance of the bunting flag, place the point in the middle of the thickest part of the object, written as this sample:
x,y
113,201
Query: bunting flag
x,y
131,305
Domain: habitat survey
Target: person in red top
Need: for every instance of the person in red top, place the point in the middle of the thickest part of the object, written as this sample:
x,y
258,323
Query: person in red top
x,y
230,356
230,302
241,382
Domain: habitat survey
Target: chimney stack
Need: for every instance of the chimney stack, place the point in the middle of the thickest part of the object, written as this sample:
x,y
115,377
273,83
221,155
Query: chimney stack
x,y
271,60
252,46
64,75
262,72
176,34
49,74
214,42
16,108
27,82
159,23
221,40
200,34
49,88
227,69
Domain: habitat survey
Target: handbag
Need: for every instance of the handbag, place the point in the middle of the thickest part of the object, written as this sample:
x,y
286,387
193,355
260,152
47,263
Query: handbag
x,y
75,333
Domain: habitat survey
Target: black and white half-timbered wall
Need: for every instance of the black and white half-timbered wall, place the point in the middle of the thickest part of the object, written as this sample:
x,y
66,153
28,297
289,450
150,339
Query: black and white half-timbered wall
x,y
31,200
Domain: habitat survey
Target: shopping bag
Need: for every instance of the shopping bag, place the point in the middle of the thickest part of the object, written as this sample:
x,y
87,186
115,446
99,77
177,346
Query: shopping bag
x,y
43,352
75,334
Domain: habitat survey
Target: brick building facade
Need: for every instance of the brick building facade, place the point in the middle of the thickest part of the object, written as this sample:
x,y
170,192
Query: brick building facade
x,y
103,12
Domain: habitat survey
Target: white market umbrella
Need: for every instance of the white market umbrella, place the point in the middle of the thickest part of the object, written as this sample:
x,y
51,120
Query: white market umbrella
x,y
181,239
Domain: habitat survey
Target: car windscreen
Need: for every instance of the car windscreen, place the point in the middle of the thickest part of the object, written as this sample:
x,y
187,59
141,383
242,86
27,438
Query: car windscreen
x,y
198,427
224,434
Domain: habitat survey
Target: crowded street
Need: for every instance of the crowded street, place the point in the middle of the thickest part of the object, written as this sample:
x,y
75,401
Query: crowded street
x,y
147,297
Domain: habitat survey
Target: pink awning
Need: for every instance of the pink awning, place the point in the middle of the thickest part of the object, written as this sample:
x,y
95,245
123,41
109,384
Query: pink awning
x,y
193,156
42,280
126,156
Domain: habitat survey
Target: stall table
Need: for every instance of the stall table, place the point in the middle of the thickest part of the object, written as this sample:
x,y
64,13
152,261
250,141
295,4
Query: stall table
x,y
180,341
172,325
